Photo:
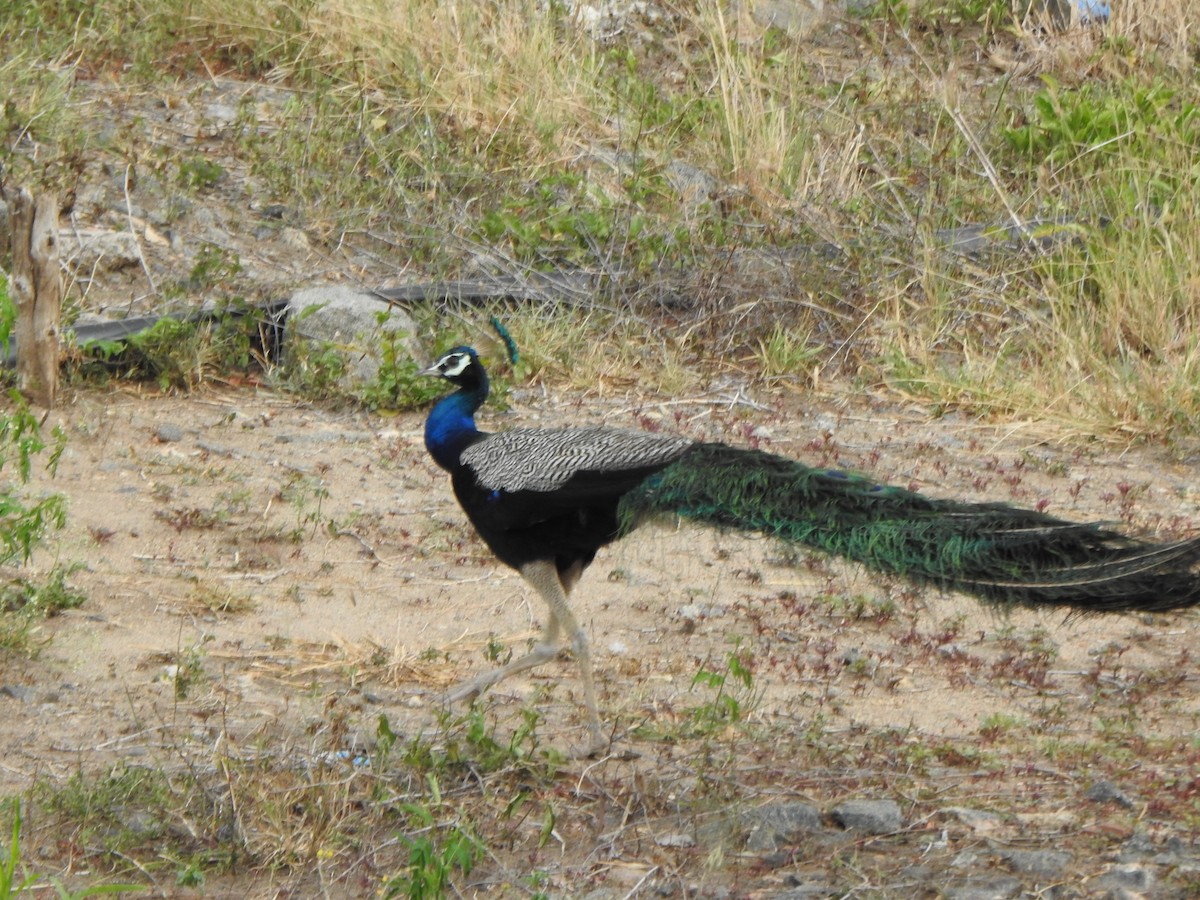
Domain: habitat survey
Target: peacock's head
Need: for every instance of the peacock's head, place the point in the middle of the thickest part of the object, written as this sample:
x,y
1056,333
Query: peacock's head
x,y
460,366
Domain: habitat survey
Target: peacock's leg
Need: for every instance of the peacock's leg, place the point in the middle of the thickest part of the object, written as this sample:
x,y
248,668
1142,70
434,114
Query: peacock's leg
x,y
544,577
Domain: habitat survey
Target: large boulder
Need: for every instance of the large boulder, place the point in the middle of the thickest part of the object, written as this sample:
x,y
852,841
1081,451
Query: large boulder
x,y
353,322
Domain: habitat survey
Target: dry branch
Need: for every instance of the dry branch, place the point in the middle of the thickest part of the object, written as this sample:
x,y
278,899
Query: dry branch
x,y
36,292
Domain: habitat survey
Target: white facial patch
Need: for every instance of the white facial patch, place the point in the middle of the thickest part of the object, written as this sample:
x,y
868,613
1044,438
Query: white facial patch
x,y
454,364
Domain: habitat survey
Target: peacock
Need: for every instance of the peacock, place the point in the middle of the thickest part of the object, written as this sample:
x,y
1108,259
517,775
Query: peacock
x,y
546,499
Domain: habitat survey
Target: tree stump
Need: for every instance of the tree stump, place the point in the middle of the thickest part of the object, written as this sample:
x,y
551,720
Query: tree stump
x,y
36,287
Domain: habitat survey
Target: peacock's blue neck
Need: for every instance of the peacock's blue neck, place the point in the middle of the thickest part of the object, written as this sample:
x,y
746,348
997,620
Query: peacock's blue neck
x,y
450,427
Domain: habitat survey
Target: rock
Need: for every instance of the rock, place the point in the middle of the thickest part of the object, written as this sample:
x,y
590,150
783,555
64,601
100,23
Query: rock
x,y
1044,863
978,820
18,692
799,18
779,823
869,816
168,433
1107,792
349,320
814,890
1132,878
695,187
89,251
675,839
983,889
1139,846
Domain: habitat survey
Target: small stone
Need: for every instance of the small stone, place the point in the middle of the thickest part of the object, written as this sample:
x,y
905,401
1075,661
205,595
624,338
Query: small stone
x,y
983,889
679,839
1107,792
780,823
1136,878
168,434
1139,846
1047,863
869,816
814,890
92,251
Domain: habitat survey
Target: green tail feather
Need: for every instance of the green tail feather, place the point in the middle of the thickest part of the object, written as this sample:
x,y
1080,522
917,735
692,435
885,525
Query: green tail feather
x,y
1000,553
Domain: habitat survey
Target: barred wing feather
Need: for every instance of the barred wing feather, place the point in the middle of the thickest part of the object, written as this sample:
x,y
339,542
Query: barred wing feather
x,y
545,459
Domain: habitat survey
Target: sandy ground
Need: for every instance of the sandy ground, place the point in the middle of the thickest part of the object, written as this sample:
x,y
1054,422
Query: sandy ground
x,y
285,560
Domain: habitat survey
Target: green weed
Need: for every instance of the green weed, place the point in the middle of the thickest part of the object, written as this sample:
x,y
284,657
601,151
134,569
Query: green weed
x,y
396,385
435,857
24,603
733,695
11,862
179,353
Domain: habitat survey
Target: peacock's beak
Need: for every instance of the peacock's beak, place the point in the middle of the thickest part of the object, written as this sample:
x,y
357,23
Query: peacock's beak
x,y
431,370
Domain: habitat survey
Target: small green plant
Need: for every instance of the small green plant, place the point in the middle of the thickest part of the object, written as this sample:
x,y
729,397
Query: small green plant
x,y
180,353
734,694
213,266
397,386
306,494
188,669
995,725
1101,121
200,173
435,856
315,369
23,521
785,354
10,862
24,603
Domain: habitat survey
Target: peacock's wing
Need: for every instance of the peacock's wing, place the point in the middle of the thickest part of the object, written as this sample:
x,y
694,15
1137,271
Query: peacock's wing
x,y
545,460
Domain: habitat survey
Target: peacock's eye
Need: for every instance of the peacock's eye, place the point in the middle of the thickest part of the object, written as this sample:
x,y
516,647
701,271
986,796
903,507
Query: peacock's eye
x,y
454,364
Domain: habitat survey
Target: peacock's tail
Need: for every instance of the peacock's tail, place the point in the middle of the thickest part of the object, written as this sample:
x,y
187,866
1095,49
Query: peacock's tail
x,y
1000,553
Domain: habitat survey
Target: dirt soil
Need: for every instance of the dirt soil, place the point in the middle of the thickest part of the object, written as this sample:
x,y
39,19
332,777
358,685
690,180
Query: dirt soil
x,y
265,578
286,560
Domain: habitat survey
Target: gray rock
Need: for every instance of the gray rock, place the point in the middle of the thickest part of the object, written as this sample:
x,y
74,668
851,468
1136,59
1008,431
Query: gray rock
x,y
1130,877
702,611
869,816
1138,847
90,251
168,433
799,18
696,188
811,891
1003,888
779,823
1046,863
350,320
675,839
1107,792
18,692
980,820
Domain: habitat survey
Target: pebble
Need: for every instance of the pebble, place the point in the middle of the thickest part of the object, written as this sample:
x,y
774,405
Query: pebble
x,y
780,823
18,692
168,433
869,816
1107,792
1003,888
1046,863
1135,878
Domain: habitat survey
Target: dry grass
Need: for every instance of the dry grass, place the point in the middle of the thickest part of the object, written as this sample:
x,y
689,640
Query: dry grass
x,y
695,159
